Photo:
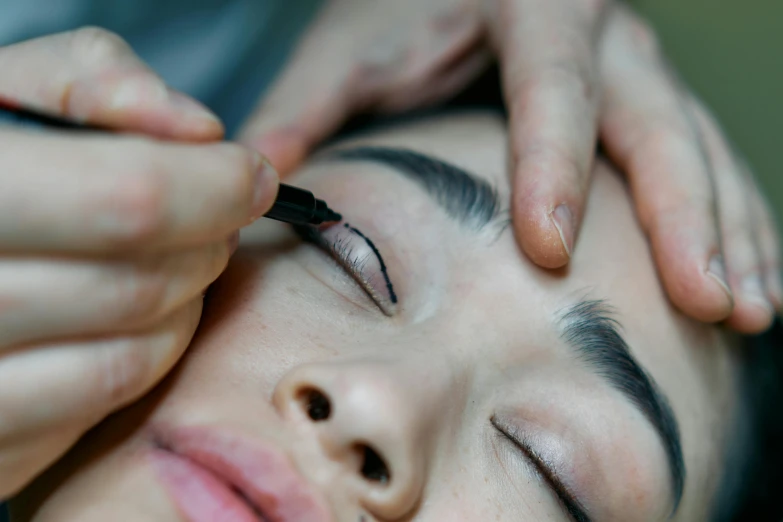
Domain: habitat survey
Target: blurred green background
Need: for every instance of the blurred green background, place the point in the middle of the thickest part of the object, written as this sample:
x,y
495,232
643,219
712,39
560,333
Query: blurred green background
x,y
731,54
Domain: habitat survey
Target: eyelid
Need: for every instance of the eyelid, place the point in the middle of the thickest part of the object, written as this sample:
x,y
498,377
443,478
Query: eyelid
x,y
567,499
355,264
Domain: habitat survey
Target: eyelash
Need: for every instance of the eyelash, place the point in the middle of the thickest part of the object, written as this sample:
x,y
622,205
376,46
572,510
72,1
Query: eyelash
x,y
343,255
565,497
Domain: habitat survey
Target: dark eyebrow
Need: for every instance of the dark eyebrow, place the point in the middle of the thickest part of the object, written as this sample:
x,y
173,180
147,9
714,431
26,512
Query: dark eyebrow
x,y
590,328
471,200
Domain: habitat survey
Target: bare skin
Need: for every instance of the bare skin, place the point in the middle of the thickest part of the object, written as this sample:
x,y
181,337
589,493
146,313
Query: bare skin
x,y
471,352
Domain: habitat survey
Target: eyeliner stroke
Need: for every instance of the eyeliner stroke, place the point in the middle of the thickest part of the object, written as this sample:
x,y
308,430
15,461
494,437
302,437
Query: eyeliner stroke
x,y
389,287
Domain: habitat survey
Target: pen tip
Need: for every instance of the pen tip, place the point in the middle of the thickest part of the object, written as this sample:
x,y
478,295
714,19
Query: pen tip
x,y
332,216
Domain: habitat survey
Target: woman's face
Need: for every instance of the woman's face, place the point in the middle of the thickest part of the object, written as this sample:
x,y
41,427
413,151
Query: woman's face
x,y
411,364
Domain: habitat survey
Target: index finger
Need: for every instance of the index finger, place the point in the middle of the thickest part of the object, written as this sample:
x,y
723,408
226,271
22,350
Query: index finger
x,y
92,75
547,50
101,194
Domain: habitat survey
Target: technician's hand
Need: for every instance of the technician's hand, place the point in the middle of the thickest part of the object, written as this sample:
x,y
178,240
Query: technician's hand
x,y
573,70
106,242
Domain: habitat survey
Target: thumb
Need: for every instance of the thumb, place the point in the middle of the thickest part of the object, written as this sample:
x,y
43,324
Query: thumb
x,y
92,75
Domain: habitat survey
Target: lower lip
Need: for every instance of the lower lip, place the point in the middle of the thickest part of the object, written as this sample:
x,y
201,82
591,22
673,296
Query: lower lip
x,y
199,495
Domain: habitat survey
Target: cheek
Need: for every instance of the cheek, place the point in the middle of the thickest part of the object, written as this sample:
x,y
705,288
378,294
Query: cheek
x,y
462,499
464,511
257,324
464,502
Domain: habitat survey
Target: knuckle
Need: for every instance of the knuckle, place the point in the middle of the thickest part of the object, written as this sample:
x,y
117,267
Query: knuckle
x,y
563,78
366,80
139,296
137,204
97,45
125,372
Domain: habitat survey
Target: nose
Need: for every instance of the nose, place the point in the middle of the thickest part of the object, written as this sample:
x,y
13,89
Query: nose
x,y
373,422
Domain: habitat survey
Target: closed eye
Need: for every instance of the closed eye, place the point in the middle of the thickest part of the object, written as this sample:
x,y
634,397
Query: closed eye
x,y
567,499
358,256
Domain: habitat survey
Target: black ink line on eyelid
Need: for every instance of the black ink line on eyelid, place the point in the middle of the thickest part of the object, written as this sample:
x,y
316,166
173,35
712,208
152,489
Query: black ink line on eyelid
x,y
389,287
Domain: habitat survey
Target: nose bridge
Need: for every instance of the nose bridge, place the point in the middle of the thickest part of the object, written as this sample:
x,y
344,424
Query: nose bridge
x,y
378,419
385,400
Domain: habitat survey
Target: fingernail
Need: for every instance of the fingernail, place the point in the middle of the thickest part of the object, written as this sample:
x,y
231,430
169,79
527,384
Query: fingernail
x,y
266,186
753,291
717,270
189,107
564,221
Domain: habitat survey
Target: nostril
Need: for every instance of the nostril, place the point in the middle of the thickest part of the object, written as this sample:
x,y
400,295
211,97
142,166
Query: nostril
x,y
374,468
317,404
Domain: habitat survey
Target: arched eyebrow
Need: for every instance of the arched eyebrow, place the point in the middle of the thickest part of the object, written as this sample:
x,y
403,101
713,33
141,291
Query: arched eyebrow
x,y
590,328
469,199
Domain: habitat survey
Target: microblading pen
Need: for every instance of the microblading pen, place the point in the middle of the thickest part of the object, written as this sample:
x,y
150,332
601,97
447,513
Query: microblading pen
x,y
292,205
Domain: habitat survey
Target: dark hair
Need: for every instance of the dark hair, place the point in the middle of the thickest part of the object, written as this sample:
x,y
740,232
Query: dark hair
x,y
752,485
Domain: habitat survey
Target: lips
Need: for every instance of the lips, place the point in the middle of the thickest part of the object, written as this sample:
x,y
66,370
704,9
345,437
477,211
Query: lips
x,y
213,475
